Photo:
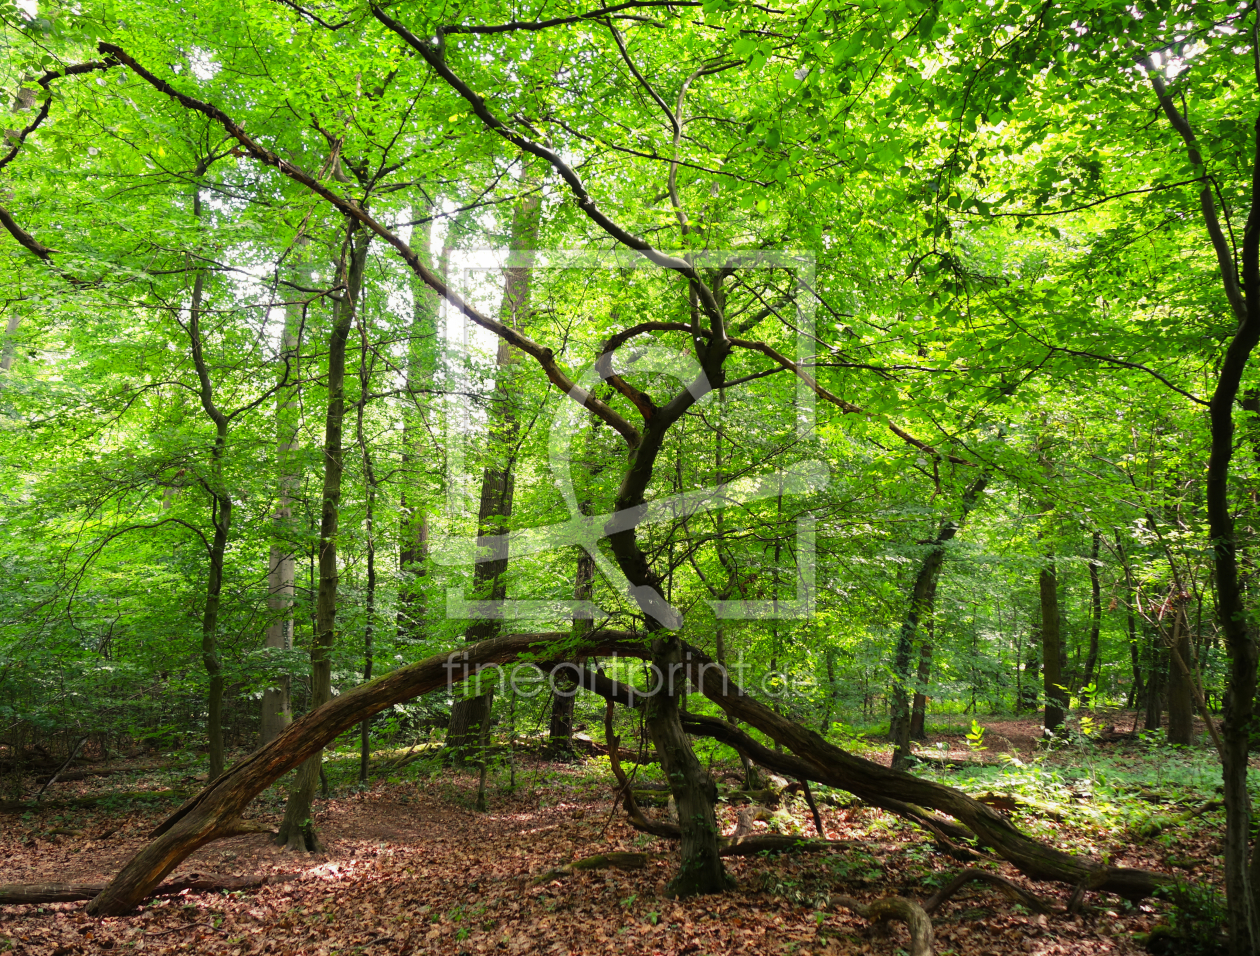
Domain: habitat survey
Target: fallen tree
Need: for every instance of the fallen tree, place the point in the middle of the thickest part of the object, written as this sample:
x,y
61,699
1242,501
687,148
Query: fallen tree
x,y
76,892
217,811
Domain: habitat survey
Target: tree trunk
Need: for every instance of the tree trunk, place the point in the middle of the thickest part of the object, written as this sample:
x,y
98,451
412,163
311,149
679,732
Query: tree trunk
x,y
369,518
297,831
1095,625
1051,649
695,794
1180,689
1240,643
560,733
220,517
277,711
1135,691
469,715
422,363
922,596
918,711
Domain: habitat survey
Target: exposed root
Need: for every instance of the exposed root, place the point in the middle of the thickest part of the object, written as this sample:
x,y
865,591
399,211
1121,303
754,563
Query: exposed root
x,y
898,908
1016,893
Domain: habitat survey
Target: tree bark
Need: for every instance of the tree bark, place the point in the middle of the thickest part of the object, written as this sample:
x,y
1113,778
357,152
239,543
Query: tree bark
x,y
277,710
297,831
422,363
1051,648
1095,624
922,596
1180,687
470,715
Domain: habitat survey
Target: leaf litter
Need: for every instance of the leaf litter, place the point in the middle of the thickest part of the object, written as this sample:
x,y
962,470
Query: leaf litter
x,y
410,868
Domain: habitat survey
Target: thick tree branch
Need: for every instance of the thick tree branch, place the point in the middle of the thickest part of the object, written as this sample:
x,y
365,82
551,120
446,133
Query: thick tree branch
x,y
348,207
1224,255
77,69
437,61
525,25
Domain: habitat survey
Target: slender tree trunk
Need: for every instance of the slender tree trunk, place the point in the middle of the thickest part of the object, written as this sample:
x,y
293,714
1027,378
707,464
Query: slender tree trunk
x,y
1180,689
1135,691
1051,648
369,597
422,365
1095,624
297,830
1240,643
220,516
560,733
277,710
470,714
10,345
918,709
922,595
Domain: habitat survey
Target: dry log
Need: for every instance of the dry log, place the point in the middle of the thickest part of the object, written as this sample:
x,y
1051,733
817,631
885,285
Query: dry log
x,y
11,893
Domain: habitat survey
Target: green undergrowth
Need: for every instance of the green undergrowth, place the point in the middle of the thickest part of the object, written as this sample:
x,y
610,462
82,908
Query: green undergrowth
x,y
1142,791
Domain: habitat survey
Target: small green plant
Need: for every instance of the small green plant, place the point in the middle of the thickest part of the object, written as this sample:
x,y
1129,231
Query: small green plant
x,y
975,737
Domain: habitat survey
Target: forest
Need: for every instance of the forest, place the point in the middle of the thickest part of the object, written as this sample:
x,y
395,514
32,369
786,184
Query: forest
x,y
656,476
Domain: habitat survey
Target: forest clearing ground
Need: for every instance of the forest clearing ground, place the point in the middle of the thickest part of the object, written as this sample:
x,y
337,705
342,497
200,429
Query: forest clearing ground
x,y
411,868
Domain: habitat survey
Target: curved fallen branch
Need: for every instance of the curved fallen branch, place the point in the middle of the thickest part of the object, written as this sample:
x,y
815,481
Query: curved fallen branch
x,y
216,811
877,785
1016,893
898,908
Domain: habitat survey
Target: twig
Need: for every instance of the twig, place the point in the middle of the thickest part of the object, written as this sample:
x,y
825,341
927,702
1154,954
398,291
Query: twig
x,y
179,929
69,760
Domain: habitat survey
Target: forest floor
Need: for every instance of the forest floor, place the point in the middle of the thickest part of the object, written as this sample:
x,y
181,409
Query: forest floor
x,y
410,867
